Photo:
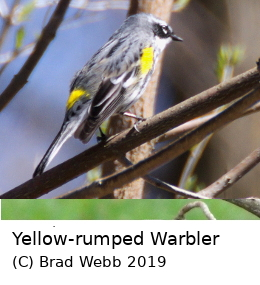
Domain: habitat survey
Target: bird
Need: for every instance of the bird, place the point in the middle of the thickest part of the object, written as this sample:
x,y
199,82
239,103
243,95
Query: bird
x,y
112,80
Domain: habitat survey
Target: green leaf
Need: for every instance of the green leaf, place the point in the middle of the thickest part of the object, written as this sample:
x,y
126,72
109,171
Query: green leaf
x,y
228,57
19,37
25,11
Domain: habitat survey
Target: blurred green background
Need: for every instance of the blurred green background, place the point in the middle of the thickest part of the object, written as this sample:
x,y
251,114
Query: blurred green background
x,y
116,210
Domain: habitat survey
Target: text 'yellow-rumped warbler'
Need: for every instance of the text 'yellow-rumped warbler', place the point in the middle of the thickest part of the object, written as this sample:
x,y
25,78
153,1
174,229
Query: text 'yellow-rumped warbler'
x,y
113,80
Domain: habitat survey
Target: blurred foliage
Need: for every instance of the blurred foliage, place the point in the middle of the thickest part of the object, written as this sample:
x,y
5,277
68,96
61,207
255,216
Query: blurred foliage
x,y
116,210
94,174
227,58
19,38
24,11
179,5
193,184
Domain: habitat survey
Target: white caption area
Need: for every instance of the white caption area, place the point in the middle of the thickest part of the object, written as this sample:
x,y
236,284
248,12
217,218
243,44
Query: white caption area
x,y
47,251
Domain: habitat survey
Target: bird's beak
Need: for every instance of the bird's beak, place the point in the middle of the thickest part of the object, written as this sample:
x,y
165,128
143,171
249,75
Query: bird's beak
x,y
176,38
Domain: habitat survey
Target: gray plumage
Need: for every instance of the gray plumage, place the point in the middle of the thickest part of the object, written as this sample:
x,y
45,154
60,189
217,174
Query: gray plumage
x,y
112,80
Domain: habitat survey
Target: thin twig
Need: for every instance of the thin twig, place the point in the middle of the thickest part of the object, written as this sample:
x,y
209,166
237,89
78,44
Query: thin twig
x,y
190,125
7,23
163,185
232,176
253,109
195,154
15,54
149,179
182,129
47,35
192,205
251,205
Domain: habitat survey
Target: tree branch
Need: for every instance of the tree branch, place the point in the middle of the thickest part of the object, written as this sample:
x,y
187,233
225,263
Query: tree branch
x,y
47,35
7,22
232,176
190,125
251,205
129,139
163,185
107,185
193,205
236,173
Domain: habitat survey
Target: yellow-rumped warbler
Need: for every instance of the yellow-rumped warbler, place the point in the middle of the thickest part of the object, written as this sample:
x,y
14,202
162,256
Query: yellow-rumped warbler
x,y
113,80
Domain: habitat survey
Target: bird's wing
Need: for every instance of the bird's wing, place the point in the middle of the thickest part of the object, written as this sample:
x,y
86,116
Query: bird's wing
x,y
105,103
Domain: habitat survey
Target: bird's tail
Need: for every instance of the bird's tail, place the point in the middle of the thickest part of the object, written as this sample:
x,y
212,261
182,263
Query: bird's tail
x,y
65,132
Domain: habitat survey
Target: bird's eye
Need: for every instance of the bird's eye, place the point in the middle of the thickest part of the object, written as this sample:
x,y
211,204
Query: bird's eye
x,y
165,29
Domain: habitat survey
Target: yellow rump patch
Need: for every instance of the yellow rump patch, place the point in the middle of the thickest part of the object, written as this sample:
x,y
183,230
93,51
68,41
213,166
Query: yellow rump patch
x,y
74,96
146,60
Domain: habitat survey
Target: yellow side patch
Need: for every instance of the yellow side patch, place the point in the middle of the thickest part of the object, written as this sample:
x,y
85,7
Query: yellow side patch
x,y
74,96
146,60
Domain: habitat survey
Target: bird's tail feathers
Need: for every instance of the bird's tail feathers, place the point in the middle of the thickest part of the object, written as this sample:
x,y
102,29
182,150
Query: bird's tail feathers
x,y
65,132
